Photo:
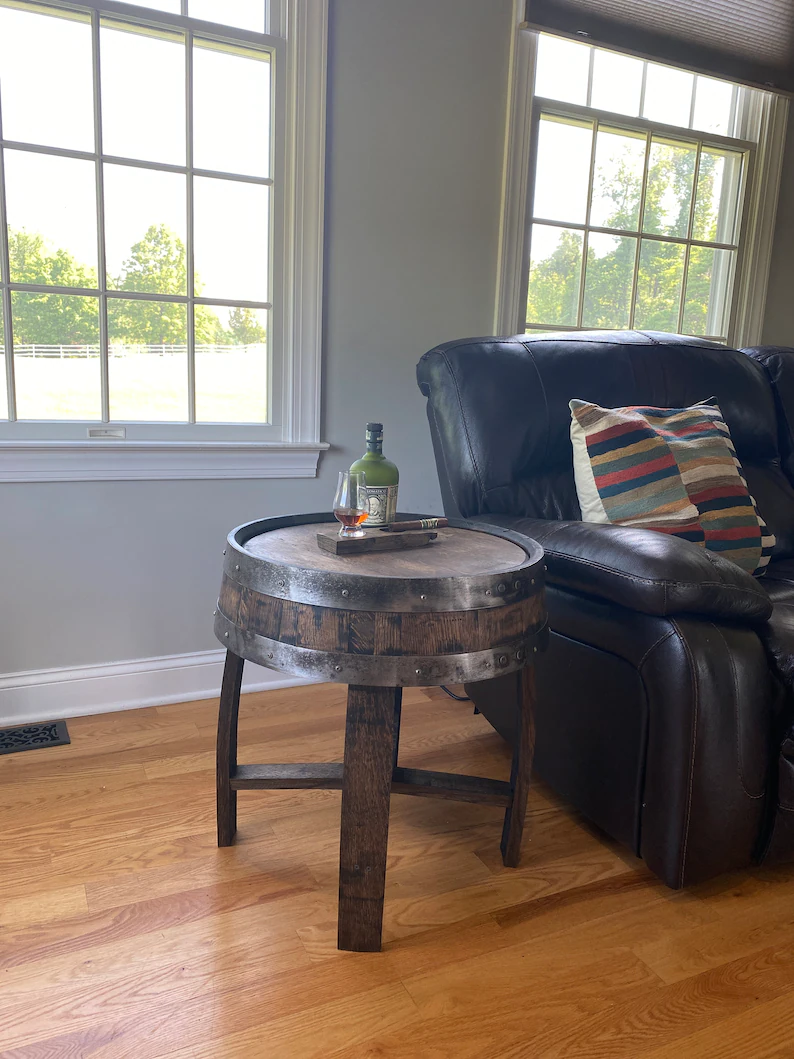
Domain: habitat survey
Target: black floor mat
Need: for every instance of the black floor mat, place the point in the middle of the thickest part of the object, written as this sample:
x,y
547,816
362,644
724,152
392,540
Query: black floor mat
x,y
33,736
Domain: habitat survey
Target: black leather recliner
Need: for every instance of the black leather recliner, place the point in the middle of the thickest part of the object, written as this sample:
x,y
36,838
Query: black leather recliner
x,y
665,702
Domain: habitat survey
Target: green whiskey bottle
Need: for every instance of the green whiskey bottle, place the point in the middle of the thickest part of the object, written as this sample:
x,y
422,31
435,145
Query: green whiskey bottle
x,y
382,479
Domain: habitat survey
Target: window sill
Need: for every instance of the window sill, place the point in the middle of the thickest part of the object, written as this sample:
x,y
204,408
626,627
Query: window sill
x,y
135,461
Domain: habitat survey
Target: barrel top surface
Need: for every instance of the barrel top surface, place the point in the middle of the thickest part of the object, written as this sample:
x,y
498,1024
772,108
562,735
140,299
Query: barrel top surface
x,y
455,553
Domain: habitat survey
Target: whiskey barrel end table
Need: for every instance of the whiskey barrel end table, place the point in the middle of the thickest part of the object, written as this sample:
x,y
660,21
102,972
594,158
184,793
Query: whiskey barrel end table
x,y
468,607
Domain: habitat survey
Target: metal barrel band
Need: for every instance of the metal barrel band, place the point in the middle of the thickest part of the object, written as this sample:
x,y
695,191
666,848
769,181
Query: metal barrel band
x,y
378,670
348,591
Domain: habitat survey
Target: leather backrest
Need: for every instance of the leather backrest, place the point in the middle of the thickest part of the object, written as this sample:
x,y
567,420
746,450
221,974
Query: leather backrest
x,y
500,411
778,363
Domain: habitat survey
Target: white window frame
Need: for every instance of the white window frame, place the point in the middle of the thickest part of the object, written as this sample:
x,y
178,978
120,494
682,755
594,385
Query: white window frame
x,y
64,451
768,117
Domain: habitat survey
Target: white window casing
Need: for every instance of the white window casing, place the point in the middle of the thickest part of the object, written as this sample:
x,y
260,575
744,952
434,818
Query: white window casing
x,y
759,130
289,444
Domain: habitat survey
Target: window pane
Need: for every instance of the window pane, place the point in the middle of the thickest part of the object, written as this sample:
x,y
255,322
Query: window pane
x,y
562,69
231,365
713,105
607,290
47,79
3,387
231,112
659,285
668,199
617,179
147,361
145,230
51,219
617,82
668,95
717,200
146,122
231,239
56,356
563,169
708,289
245,14
555,271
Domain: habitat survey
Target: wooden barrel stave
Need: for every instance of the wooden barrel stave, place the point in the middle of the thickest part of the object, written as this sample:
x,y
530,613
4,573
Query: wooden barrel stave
x,y
401,639
377,633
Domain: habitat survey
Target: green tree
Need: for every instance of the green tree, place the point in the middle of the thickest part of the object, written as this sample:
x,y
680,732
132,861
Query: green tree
x,y
244,328
50,319
554,283
157,264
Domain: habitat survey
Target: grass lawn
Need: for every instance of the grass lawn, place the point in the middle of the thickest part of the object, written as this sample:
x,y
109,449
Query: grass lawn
x,y
231,386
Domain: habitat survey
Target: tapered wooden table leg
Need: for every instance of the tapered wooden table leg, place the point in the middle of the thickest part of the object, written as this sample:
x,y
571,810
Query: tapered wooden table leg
x,y
370,740
521,770
226,748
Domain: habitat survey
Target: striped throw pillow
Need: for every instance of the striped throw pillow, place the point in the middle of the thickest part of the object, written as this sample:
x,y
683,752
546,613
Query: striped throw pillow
x,y
673,470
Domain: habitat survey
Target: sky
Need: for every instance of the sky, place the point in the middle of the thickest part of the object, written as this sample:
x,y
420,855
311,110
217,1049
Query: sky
x,y
562,73
143,111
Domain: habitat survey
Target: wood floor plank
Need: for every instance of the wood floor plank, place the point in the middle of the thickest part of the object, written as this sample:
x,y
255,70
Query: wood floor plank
x,y
317,1031
752,917
762,1032
43,908
126,934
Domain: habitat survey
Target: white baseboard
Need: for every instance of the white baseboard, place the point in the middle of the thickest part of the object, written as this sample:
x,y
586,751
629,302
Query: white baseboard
x,y
57,694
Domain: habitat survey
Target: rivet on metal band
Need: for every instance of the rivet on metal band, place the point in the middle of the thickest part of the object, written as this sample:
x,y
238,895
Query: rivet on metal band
x,y
376,670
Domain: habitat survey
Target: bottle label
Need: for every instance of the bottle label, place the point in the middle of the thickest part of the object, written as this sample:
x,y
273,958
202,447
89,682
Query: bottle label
x,y
382,501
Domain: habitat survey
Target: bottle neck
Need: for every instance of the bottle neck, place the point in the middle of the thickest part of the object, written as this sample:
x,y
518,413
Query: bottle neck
x,y
375,448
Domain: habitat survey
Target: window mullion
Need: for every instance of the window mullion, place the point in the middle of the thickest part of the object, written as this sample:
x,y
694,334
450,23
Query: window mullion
x,y
692,100
643,88
689,234
635,279
102,280
191,292
586,238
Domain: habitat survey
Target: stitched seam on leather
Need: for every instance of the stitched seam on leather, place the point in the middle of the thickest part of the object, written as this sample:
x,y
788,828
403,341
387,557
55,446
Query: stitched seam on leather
x,y
477,474
528,348
662,638
736,717
688,817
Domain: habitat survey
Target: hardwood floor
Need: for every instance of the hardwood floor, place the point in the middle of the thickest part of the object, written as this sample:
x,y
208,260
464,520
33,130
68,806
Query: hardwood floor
x,y
125,933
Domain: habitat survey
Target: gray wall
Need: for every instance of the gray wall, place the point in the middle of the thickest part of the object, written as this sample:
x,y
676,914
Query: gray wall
x,y
108,571
779,317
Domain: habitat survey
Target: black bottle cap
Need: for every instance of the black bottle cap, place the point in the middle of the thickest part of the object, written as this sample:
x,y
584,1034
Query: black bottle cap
x,y
373,427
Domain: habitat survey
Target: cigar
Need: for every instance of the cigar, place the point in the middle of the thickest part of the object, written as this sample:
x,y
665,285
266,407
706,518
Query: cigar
x,y
417,524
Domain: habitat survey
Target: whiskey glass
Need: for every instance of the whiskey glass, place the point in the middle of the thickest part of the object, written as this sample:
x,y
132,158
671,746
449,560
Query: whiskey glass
x,y
351,506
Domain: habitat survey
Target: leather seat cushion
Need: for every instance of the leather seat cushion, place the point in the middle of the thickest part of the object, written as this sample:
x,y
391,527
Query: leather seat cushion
x,y
779,581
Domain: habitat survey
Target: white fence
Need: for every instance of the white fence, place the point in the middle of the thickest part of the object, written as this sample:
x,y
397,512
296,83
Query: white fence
x,y
118,350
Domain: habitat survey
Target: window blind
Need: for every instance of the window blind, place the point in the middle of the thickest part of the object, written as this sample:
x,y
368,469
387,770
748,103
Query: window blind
x,y
751,41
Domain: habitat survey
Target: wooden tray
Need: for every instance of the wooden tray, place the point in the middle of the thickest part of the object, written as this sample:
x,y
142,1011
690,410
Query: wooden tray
x,y
374,541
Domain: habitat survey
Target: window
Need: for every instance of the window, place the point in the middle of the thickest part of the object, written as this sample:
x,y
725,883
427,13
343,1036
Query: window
x,y
149,212
643,186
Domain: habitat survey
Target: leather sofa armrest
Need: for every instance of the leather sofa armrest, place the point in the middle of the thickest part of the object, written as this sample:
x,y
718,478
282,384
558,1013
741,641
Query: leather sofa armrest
x,y
643,570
